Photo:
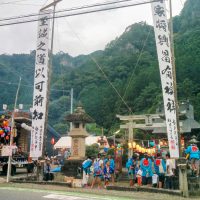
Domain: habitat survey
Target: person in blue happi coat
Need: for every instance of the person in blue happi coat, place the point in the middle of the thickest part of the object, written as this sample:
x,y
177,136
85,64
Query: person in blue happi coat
x,y
147,173
112,168
130,165
160,169
194,156
86,165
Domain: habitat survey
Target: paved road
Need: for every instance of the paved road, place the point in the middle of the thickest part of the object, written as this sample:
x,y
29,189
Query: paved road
x,y
25,191
7,193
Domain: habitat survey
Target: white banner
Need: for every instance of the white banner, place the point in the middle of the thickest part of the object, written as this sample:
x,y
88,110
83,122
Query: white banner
x,y
165,63
40,86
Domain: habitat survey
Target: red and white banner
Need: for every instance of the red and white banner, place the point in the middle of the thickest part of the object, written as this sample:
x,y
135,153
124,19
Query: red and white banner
x,y
40,85
165,63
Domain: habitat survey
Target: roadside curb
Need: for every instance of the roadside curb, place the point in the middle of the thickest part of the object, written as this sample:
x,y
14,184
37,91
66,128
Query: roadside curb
x,y
145,189
44,182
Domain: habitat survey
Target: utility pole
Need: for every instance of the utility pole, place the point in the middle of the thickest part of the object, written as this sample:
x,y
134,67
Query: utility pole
x,y
174,77
12,128
181,162
71,111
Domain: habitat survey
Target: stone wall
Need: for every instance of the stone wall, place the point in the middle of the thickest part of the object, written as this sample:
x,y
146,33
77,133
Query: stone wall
x,y
194,186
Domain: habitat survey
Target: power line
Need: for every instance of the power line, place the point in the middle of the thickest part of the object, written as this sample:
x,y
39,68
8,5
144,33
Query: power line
x,y
26,4
136,65
138,60
182,3
31,86
11,2
104,74
81,13
68,9
45,3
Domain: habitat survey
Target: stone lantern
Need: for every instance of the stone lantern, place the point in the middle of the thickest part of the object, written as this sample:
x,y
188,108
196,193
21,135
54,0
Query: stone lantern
x,y
102,143
193,140
78,133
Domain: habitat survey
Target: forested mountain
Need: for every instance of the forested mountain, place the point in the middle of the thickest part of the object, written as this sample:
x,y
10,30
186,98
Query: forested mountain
x,y
102,78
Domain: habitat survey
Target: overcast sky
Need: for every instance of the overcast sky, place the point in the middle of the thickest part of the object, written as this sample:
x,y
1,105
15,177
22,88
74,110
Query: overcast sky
x,y
75,35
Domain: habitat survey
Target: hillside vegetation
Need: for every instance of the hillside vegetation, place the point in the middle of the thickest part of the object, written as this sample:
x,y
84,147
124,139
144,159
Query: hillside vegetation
x,y
137,82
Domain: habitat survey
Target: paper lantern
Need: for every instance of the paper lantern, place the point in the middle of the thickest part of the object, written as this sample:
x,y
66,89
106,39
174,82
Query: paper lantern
x,y
182,142
149,151
140,149
7,137
134,145
52,141
143,150
137,147
129,145
152,151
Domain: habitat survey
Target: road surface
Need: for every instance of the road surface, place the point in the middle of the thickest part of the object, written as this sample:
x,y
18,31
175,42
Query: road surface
x,y
25,191
7,193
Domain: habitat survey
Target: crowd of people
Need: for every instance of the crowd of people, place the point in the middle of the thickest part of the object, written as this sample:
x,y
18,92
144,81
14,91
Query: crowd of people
x,y
98,169
153,171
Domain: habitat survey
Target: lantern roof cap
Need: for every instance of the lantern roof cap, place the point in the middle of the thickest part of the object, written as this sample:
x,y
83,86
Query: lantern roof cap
x,y
79,115
193,140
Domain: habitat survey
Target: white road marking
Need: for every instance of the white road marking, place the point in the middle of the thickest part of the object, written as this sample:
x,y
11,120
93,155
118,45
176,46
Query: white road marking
x,y
63,197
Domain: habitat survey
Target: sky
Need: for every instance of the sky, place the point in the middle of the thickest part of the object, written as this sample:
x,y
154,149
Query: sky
x,y
75,35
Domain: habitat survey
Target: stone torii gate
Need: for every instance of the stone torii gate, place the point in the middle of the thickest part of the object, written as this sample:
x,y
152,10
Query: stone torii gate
x,y
149,124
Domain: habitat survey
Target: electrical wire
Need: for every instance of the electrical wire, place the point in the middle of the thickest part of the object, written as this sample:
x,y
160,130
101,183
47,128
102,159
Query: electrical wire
x,y
100,68
181,2
26,4
138,60
79,13
136,65
11,2
45,3
66,10
30,86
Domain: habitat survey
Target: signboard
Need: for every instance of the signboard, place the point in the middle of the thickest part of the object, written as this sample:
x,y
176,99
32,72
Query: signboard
x,y
40,85
165,63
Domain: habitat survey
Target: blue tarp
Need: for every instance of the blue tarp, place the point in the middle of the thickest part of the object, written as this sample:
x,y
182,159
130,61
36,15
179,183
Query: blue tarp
x,y
57,169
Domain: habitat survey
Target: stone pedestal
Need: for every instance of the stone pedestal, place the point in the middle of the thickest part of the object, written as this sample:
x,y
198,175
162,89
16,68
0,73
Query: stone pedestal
x,y
183,182
72,168
78,143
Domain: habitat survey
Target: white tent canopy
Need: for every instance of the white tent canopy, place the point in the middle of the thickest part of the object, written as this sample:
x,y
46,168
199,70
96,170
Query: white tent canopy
x,y
63,142
66,141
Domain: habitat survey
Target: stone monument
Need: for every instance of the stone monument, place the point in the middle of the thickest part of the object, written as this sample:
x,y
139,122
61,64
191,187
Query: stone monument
x,y
72,166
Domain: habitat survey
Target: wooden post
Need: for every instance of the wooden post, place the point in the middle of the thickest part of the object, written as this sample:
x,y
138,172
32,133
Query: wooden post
x,y
130,137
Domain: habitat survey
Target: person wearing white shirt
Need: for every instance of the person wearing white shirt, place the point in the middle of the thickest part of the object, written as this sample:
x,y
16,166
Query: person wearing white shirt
x,y
169,172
